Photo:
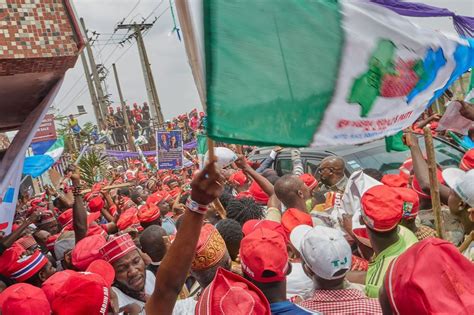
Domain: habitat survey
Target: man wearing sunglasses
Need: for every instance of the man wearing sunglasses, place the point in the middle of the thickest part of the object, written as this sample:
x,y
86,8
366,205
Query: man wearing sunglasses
x,y
331,174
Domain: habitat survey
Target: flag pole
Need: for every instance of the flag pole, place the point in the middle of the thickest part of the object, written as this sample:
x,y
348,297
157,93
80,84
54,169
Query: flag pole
x,y
434,185
194,57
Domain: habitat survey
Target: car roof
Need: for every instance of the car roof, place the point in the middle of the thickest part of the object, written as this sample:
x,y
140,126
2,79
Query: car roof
x,y
340,150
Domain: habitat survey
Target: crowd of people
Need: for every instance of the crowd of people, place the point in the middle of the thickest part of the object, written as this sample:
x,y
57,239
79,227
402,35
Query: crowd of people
x,y
141,125
239,238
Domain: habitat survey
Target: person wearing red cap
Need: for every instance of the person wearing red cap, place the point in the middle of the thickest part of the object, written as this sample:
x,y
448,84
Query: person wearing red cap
x,y
411,206
326,258
239,181
149,215
24,299
381,211
260,189
230,294
431,277
211,253
133,283
86,251
33,269
131,172
453,224
206,186
82,293
467,161
268,272
309,181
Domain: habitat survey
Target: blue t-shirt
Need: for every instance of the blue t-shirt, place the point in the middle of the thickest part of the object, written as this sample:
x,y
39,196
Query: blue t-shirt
x,y
288,308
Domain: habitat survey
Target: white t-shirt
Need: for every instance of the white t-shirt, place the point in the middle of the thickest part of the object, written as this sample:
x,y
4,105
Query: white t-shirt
x,y
124,299
298,283
185,306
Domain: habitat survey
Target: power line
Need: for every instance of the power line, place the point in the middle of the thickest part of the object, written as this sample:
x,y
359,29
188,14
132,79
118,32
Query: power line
x,y
153,11
83,89
133,9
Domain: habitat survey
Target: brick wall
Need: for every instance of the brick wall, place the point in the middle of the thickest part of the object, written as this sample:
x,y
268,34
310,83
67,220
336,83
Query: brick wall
x,y
36,36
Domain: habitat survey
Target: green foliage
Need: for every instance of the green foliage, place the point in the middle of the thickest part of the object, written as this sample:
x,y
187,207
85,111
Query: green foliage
x,y
93,166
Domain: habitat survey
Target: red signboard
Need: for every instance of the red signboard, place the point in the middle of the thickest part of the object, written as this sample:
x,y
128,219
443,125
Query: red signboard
x,y
46,131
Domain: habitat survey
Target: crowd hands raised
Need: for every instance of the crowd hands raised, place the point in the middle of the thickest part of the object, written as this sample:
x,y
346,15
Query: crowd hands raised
x,y
243,240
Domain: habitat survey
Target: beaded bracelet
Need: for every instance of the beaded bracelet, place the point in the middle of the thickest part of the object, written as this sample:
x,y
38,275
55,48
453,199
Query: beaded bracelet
x,y
77,190
196,207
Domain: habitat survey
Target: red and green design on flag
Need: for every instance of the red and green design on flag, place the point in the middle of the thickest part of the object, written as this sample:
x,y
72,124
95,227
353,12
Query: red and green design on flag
x,y
314,72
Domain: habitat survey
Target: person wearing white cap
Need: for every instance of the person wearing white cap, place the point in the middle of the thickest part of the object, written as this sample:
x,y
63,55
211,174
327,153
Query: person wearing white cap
x,y
461,203
326,259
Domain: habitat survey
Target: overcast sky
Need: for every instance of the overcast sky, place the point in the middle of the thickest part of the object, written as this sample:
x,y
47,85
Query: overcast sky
x,y
168,60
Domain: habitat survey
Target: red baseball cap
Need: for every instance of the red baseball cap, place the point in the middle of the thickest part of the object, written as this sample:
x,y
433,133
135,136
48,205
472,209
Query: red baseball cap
x,y
230,294
103,269
395,180
9,258
66,217
309,180
258,194
467,161
382,208
252,225
148,213
431,277
52,285
411,202
244,194
51,241
82,293
255,259
96,204
362,236
87,250
238,178
24,299
293,217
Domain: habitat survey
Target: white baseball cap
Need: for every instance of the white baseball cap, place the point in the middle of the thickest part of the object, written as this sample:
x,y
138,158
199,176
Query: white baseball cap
x,y
324,250
461,182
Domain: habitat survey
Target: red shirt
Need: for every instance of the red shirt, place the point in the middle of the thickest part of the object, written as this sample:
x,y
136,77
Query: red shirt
x,y
344,301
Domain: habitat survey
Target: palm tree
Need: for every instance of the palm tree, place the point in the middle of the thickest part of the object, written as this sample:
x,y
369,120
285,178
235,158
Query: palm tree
x,y
93,166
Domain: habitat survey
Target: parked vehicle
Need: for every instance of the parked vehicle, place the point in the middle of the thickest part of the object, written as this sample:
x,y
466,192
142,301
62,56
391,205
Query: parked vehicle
x,y
368,155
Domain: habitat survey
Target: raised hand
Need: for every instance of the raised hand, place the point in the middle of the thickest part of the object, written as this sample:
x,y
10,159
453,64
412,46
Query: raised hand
x,y
207,185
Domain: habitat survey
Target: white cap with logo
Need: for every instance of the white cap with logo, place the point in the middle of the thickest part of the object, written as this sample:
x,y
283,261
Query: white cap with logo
x,y
462,183
324,250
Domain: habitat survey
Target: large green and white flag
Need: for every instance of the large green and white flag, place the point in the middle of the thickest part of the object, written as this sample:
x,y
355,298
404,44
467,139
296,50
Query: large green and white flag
x,y
314,72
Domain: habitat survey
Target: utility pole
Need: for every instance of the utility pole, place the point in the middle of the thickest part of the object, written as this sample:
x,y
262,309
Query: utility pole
x,y
124,112
147,73
95,74
90,85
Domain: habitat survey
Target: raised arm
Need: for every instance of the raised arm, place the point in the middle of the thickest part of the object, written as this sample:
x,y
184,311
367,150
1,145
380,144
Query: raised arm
x,y
79,215
264,183
174,268
420,168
